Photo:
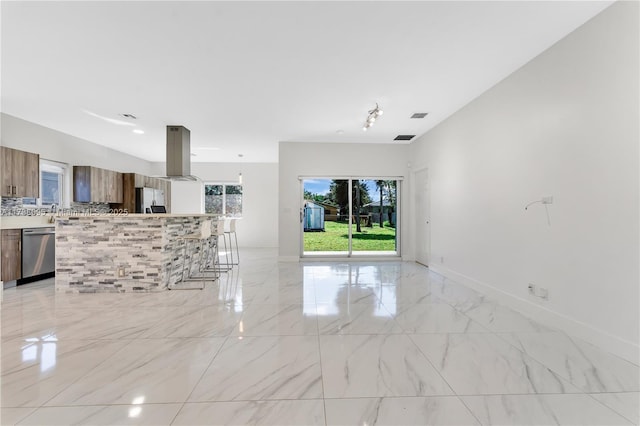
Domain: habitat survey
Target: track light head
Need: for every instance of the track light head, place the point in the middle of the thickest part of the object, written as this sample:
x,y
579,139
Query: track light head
x,y
371,117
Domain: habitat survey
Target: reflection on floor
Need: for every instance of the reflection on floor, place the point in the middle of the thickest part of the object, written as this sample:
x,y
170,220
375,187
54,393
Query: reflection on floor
x,y
304,344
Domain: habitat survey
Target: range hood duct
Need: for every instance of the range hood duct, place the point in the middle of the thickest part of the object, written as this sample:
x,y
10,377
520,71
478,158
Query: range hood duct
x,y
178,151
187,191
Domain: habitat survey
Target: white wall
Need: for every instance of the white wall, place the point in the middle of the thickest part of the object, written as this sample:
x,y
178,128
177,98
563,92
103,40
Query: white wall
x,y
57,146
565,125
331,160
187,197
259,224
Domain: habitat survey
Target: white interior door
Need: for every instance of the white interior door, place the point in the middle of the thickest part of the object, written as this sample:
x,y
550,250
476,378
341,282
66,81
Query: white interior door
x,y
422,217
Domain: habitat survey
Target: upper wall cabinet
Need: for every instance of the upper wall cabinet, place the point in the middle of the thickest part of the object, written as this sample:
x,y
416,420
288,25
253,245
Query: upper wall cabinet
x,y
20,173
95,185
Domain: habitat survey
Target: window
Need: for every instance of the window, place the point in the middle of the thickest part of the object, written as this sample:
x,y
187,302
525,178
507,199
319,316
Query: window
x,y
223,199
52,179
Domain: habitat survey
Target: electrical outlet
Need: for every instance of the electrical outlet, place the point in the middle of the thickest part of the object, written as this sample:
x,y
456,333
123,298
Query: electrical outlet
x,y
543,293
547,200
536,291
121,272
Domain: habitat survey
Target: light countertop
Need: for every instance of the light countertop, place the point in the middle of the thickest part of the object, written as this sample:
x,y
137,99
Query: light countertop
x,y
18,222
133,215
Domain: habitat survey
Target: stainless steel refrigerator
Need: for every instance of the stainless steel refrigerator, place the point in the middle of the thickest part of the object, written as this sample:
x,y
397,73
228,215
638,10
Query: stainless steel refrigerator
x,y
147,197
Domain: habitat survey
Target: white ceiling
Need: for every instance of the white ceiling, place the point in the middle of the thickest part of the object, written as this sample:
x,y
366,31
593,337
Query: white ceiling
x,y
243,76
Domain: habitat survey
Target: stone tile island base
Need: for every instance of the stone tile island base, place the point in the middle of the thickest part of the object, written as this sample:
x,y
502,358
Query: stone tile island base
x,y
91,250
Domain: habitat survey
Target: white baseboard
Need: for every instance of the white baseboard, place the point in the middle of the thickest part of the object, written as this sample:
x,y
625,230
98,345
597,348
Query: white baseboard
x,y
351,259
257,247
614,344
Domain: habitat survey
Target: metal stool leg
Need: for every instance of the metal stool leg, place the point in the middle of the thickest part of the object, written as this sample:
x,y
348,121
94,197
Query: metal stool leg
x,y
184,259
226,250
237,248
202,238
218,264
232,230
211,262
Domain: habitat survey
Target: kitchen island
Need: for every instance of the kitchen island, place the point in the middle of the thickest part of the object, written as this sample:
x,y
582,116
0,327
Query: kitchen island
x,y
122,253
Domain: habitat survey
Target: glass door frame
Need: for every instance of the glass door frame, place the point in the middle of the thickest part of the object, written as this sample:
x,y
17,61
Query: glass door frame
x,y
350,254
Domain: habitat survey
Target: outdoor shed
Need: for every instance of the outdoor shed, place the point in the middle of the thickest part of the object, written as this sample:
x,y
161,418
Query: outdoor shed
x,y
313,217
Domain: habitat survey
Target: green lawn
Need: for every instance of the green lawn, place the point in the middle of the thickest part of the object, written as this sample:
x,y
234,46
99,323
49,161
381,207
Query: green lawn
x,y
336,238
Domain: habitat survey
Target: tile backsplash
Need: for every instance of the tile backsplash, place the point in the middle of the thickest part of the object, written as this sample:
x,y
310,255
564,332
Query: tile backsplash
x,y
10,205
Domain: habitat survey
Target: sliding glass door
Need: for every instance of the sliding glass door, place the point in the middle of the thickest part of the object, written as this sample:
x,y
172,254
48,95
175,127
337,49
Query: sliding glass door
x,y
349,217
324,217
373,229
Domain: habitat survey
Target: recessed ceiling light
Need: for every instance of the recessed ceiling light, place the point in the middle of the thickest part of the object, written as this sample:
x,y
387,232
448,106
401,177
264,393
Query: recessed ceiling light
x,y
340,132
109,119
240,155
131,116
419,115
138,131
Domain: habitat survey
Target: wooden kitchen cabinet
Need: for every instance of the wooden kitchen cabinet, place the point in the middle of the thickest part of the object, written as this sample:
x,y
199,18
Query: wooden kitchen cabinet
x,y
96,185
114,188
11,242
7,170
20,173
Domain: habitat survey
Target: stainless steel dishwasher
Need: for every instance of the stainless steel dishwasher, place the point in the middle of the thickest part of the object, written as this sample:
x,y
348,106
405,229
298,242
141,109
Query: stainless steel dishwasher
x,y
38,251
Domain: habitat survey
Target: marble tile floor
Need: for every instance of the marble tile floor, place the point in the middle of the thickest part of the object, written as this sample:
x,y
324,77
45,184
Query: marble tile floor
x,y
342,343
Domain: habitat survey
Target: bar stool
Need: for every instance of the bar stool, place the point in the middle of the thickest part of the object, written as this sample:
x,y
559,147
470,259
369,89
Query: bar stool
x,y
232,230
218,234
203,239
212,261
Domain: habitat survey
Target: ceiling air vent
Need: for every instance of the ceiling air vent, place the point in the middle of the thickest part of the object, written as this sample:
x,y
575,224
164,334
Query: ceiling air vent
x,y
404,137
419,115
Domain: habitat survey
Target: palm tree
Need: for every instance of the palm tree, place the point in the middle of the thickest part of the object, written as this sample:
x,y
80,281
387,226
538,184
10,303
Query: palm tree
x,y
391,197
381,184
356,205
339,194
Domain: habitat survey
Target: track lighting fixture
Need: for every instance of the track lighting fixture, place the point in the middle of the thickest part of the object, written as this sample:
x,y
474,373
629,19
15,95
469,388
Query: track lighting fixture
x,y
371,118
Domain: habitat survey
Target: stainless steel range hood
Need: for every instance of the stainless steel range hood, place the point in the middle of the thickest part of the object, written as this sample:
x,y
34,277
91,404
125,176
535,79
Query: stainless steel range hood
x,y
179,153
187,191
